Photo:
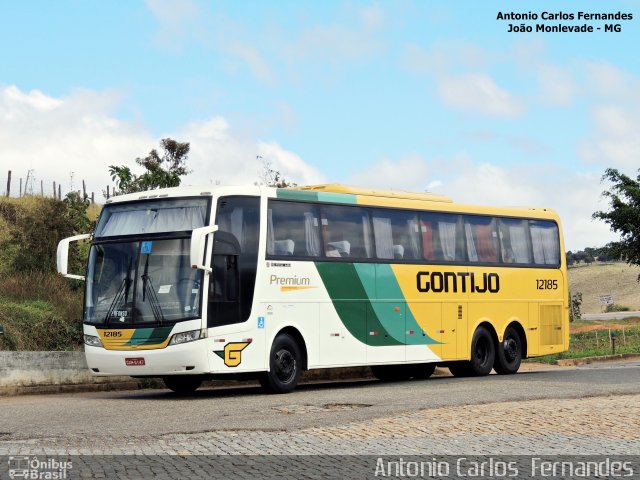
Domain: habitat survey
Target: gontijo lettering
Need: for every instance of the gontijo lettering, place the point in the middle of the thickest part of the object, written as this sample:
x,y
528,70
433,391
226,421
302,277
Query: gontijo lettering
x,y
450,282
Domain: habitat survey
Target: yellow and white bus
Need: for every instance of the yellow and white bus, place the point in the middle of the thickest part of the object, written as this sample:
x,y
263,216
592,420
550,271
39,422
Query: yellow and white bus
x,y
242,282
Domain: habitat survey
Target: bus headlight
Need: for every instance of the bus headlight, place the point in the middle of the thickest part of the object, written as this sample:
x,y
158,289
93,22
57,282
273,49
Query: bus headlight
x,y
92,341
184,337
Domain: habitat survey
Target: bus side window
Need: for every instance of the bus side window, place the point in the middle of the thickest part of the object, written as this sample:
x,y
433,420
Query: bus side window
x,y
482,239
441,237
515,244
347,231
396,234
545,242
293,229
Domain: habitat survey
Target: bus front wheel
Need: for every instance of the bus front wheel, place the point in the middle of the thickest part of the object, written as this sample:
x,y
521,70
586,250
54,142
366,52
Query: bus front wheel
x,y
182,384
285,365
509,353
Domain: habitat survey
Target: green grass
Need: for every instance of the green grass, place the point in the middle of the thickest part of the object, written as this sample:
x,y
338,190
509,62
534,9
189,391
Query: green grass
x,y
588,344
40,312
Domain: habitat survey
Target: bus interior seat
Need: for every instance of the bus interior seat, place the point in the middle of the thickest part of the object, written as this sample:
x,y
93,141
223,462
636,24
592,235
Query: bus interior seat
x,y
343,248
284,247
398,252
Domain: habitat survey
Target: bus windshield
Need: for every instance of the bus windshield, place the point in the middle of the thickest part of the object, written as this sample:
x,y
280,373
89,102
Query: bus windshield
x,y
136,282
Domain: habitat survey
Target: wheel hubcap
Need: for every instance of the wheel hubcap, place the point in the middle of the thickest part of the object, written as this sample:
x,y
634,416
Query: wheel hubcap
x,y
285,364
510,347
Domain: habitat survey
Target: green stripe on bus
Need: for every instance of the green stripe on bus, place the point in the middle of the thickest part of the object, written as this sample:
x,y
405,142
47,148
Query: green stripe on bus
x,y
149,336
387,282
313,196
349,296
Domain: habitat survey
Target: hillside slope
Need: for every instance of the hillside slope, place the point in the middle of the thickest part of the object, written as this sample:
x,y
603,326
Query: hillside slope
x,y
617,279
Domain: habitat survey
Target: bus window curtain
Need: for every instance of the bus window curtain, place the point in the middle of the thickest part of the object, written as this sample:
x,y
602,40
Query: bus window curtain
x,y
312,241
471,245
366,232
546,250
518,236
447,233
383,237
412,232
270,239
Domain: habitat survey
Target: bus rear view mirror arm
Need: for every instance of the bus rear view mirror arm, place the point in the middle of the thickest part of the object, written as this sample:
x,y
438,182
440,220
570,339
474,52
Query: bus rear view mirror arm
x,y
198,243
62,255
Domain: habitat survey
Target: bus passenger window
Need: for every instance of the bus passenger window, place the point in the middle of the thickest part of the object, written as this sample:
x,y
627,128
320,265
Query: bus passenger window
x,y
514,241
293,229
545,242
442,238
482,239
347,232
396,234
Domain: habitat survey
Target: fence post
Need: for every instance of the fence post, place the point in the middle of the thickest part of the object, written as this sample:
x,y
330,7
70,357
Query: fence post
x,y
41,188
21,186
84,190
9,184
59,192
93,199
108,192
597,339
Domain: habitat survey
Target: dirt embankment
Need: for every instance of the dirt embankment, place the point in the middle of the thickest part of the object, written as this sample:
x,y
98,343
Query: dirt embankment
x,y
617,279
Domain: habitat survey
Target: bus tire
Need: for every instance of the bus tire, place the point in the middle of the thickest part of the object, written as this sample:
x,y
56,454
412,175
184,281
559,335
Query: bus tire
x,y
509,353
182,384
460,369
392,373
421,371
285,365
483,353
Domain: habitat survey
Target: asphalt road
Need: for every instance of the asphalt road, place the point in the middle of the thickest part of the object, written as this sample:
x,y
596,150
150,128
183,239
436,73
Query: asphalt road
x,y
147,413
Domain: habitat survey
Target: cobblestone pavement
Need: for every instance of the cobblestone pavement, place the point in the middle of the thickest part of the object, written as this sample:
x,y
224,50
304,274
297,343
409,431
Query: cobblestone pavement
x,y
586,426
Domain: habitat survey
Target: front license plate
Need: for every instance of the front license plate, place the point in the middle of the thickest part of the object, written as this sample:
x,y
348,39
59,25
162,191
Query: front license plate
x,y
134,362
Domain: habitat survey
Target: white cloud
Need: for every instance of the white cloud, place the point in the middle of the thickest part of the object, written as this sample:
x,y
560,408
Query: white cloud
x,y
77,133
177,19
478,93
219,155
408,173
57,136
614,140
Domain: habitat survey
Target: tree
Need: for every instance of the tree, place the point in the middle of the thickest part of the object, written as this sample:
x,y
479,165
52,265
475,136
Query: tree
x,y
161,172
623,216
271,177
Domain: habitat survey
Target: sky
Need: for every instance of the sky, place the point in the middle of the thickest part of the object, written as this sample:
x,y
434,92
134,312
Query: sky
x,y
415,95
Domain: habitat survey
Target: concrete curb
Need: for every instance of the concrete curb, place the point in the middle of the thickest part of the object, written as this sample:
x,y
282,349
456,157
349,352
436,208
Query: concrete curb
x,y
24,373
604,358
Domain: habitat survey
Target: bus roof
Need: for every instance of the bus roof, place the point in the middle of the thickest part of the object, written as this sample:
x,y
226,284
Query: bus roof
x,y
376,192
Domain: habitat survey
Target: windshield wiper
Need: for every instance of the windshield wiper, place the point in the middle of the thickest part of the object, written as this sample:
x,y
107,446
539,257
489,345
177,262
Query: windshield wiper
x,y
121,294
148,290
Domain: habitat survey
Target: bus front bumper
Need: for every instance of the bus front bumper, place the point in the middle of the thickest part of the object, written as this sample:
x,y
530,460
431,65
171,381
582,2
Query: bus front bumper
x,y
187,359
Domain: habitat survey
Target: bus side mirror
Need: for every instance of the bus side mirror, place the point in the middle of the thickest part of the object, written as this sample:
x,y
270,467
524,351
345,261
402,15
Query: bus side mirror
x,y
62,255
198,243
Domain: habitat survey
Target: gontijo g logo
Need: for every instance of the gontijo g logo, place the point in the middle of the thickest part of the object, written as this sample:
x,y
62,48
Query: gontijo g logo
x,y
232,353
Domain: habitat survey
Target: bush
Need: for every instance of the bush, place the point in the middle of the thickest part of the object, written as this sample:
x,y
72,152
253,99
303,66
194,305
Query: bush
x,y
40,311
617,308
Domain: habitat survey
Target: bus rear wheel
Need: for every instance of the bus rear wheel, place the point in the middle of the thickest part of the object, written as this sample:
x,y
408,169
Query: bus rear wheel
x,y
509,353
183,384
285,365
483,353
